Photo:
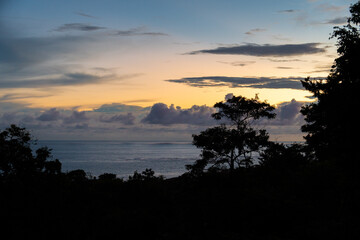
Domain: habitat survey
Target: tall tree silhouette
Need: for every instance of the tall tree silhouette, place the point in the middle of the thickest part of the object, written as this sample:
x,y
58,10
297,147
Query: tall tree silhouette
x,y
332,121
234,140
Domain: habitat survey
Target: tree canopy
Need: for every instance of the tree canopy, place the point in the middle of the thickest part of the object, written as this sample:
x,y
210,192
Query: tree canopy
x,y
331,122
234,140
16,156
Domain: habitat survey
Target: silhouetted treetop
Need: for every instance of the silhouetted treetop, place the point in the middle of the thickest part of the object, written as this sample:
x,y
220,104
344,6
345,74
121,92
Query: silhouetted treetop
x,y
240,110
17,159
331,122
234,141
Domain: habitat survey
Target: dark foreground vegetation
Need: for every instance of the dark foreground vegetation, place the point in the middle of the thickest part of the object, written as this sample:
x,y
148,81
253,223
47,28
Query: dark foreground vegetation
x,y
306,191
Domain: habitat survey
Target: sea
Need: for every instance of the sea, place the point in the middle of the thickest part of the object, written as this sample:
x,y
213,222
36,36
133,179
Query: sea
x,y
123,158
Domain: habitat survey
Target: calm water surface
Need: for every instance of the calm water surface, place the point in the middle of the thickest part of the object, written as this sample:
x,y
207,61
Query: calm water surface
x,y
123,158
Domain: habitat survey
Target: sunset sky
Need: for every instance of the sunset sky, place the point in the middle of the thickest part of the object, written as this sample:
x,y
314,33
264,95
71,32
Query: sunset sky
x,y
111,69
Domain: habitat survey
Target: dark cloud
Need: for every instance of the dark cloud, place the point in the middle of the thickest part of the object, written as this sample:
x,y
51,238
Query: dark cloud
x,y
49,115
76,117
266,50
238,63
20,53
138,31
77,27
255,30
67,79
196,115
81,126
126,119
15,96
285,68
84,15
287,11
8,117
236,82
337,21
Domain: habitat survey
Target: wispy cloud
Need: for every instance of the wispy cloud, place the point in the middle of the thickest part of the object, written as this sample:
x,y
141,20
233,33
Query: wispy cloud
x,y
77,27
85,15
266,50
255,30
16,96
327,7
66,79
138,31
19,53
238,63
287,11
237,82
337,21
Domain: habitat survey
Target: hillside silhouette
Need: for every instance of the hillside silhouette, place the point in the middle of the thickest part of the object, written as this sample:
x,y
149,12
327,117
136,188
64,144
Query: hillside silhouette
x,y
308,191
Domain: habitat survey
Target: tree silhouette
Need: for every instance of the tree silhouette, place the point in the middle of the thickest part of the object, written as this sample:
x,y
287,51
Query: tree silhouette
x,y
283,158
17,159
233,142
332,122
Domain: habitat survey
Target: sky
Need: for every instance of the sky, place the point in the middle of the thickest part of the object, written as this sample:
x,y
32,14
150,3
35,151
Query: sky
x,y
151,70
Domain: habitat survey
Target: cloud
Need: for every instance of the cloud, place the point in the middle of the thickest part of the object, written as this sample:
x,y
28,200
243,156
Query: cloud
x,y
16,96
119,107
255,30
196,115
327,7
266,50
76,117
285,68
238,63
285,60
18,54
288,113
286,126
337,21
287,11
77,27
85,15
138,31
126,119
236,82
49,115
160,122
67,79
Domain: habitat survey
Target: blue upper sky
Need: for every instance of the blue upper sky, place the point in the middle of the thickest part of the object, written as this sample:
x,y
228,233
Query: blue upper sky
x,y
203,20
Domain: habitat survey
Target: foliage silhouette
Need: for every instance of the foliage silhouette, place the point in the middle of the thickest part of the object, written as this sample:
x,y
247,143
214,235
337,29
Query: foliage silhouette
x,y
234,141
331,122
146,175
17,159
107,176
284,158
